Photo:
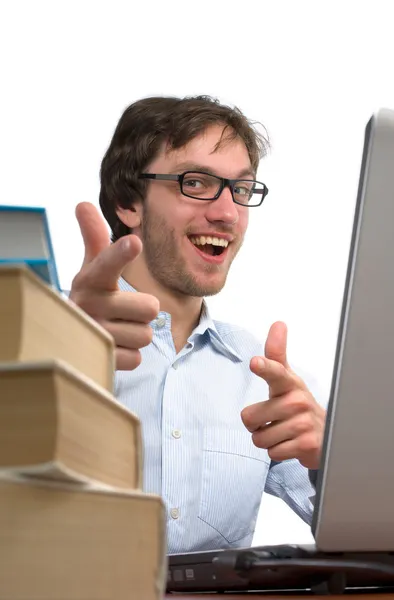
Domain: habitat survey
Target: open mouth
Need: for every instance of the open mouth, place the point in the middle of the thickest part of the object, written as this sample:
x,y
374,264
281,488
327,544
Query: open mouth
x,y
210,245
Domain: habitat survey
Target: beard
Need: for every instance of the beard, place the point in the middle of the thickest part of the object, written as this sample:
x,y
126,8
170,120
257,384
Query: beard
x,y
167,265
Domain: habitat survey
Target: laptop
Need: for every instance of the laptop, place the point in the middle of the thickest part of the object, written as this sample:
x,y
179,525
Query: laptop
x,y
353,520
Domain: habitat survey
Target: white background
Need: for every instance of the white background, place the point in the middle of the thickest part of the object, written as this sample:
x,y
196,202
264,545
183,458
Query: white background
x,y
311,71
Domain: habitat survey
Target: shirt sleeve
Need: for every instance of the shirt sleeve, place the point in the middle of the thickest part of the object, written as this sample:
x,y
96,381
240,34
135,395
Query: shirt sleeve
x,y
292,482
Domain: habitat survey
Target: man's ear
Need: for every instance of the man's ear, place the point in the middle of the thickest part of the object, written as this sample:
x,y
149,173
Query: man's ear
x,y
131,217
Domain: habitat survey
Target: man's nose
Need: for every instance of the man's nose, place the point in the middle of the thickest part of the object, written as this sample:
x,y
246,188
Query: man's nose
x,y
223,209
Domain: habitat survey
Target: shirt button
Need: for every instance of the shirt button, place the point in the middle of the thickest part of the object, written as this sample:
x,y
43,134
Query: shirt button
x,y
176,433
160,322
175,365
174,513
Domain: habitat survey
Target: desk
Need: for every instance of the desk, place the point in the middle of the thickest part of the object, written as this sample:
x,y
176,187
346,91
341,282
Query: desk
x,y
267,596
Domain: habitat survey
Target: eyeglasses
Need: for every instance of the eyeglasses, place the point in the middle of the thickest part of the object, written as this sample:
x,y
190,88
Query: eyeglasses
x,y
204,186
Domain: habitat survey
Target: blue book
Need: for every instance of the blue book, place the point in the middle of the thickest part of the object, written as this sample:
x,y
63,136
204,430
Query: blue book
x,y
25,238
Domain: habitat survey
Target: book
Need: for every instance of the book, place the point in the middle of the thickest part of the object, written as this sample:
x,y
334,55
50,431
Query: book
x,y
58,542
74,521
25,238
57,423
38,323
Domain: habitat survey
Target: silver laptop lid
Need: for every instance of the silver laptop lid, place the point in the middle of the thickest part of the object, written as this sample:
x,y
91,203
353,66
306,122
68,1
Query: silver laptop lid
x,y
355,493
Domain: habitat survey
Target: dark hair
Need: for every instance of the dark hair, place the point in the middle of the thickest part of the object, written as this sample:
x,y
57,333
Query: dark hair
x,y
142,129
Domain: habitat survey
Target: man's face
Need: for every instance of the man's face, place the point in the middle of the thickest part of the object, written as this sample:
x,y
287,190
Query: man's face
x,y
174,226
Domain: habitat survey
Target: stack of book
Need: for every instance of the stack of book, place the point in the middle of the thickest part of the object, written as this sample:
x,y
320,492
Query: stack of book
x,y
74,522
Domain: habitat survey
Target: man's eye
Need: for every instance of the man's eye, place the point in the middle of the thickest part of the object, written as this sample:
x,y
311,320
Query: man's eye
x,y
194,183
242,191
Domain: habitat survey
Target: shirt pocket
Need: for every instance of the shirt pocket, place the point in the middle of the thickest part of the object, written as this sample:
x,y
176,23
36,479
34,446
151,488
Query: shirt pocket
x,y
234,471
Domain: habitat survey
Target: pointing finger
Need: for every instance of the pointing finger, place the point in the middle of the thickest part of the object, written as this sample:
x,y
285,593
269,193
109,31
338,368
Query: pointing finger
x,y
279,379
104,271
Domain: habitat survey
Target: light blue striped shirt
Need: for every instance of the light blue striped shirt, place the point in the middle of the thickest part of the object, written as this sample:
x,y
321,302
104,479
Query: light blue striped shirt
x,y
198,455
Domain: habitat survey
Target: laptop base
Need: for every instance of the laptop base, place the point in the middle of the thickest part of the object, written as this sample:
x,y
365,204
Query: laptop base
x,y
282,568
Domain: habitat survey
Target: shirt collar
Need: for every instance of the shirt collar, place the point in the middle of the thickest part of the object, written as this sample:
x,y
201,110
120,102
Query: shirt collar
x,y
205,325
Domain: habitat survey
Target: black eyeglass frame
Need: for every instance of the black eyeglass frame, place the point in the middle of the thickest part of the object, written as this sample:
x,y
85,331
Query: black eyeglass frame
x,y
230,183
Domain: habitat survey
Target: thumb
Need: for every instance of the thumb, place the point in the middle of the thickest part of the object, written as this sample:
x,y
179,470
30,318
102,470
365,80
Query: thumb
x,y
276,343
93,229
103,262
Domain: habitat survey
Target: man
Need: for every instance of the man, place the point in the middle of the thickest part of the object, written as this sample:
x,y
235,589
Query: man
x,y
223,418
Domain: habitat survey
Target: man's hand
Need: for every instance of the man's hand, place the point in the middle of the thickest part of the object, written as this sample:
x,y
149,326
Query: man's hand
x,y
291,423
95,288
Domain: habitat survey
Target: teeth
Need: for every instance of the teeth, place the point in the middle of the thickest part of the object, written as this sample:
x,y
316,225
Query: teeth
x,y
214,241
